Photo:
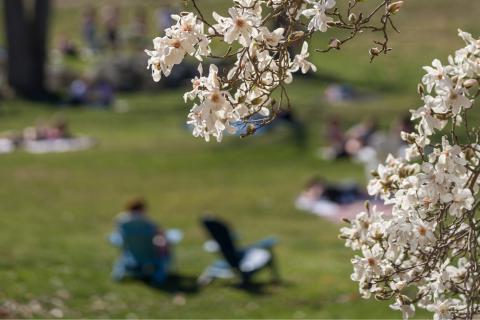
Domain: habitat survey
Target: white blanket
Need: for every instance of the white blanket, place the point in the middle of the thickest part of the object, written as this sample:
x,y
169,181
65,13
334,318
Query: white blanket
x,y
6,145
58,145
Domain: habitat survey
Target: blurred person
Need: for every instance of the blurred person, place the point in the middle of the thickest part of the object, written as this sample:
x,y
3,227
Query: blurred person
x,y
95,93
351,143
402,124
163,18
36,132
58,130
146,252
78,92
53,137
338,93
382,144
111,21
66,46
138,28
335,139
332,201
89,29
393,143
359,135
102,93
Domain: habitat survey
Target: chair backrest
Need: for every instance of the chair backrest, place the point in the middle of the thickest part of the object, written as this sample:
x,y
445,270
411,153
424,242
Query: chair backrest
x,y
138,237
223,236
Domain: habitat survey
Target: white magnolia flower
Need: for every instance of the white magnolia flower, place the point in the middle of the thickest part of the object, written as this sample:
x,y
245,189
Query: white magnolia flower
x,y
240,26
453,96
319,20
156,64
300,61
423,233
369,264
459,274
185,37
213,115
441,310
271,39
407,309
429,123
434,75
462,199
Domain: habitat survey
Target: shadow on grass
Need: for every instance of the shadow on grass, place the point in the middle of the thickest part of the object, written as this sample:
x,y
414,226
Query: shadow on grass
x,y
261,288
177,283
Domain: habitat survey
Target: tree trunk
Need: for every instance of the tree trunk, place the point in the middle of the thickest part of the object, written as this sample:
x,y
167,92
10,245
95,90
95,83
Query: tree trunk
x,y
27,47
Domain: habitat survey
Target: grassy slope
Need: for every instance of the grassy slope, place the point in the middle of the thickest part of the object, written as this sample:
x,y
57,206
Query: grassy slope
x,y
56,210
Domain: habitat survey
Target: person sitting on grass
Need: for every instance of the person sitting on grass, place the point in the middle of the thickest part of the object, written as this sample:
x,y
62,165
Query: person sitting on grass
x,y
146,254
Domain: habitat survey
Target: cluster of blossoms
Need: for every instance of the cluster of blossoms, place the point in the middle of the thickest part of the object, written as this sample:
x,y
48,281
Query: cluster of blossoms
x,y
426,253
262,36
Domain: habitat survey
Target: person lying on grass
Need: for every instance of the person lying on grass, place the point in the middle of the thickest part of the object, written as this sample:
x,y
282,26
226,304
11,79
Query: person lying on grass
x,y
333,201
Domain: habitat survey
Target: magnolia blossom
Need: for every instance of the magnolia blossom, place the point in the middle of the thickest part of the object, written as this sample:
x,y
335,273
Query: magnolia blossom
x,y
263,59
407,309
214,112
426,253
300,61
185,37
319,20
239,26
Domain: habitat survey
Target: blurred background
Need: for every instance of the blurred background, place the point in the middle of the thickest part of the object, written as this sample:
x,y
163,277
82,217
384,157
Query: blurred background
x,y
83,128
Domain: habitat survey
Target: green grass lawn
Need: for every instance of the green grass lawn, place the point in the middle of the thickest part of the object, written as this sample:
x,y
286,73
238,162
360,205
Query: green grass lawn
x,y
57,210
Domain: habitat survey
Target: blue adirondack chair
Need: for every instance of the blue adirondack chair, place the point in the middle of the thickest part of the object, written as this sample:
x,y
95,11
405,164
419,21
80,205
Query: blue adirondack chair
x,y
241,261
140,259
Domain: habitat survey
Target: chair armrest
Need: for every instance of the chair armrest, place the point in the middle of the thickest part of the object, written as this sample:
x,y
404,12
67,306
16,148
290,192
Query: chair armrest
x,y
266,243
174,236
116,239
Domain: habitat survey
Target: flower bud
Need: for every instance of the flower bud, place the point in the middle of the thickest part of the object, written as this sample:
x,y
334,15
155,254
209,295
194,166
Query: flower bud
x,y
469,154
379,297
367,206
241,99
470,83
297,35
352,18
374,51
377,236
420,89
404,299
334,43
443,116
333,23
256,101
408,137
395,7
251,128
